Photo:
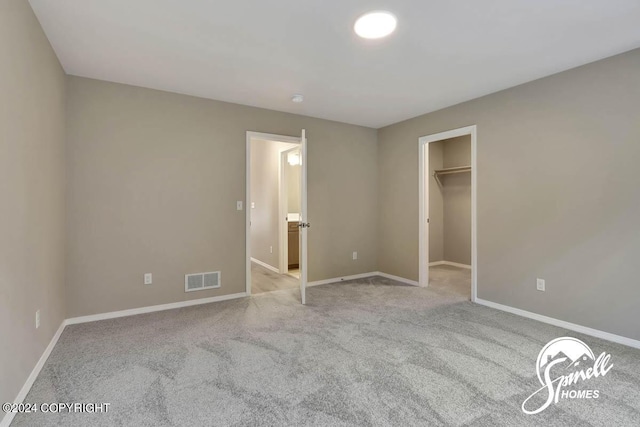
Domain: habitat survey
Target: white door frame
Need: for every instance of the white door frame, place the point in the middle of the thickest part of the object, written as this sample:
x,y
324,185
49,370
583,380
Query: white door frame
x,y
423,207
261,136
283,211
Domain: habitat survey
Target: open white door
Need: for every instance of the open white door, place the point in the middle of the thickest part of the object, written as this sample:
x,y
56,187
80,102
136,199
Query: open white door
x,y
303,224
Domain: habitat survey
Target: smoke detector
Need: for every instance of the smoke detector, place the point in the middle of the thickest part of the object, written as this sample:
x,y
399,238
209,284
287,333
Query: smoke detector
x,y
297,98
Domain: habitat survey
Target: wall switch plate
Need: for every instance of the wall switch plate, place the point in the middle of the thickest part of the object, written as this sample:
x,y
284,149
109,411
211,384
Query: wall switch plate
x,y
270,249
148,279
355,255
253,205
540,285
239,205
37,319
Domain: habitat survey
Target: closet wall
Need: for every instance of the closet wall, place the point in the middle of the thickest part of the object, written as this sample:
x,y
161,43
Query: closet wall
x,y
450,202
436,204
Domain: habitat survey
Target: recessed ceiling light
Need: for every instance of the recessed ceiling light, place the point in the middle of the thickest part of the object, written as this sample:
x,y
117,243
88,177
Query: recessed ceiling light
x,y
297,98
375,25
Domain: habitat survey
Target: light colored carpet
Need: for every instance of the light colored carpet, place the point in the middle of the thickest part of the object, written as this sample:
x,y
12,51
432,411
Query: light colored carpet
x,y
294,272
365,352
265,280
447,278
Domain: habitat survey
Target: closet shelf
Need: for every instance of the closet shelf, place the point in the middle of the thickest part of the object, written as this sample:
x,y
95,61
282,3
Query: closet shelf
x,y
448,171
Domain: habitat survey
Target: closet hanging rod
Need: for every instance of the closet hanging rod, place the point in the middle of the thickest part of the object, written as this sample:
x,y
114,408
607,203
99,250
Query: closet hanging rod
x,y
448,171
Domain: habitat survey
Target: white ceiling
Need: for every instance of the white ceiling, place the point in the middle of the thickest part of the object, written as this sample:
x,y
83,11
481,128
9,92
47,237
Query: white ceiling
x,y
260,53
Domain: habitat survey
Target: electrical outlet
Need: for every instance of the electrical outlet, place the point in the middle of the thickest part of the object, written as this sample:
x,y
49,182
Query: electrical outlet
x,y
148,279
540,285
355,255
239,205
253,205
271,249
37,319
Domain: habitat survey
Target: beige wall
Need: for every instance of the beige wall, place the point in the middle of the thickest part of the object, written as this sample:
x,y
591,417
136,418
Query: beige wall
x,y
153,179
32,190
293,187
265,180
456,193
450,202
558,193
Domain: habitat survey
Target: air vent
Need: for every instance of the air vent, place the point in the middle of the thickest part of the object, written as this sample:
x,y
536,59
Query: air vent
x,y
201,281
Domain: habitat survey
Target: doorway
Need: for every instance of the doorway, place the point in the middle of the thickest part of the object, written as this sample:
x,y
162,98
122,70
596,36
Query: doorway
x,y
276,207
290,180
447,211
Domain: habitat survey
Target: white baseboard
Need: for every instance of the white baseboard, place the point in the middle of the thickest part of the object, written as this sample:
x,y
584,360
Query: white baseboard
x,y
6,421
562,324
265,265
151,309
342,279
452,264
398,278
